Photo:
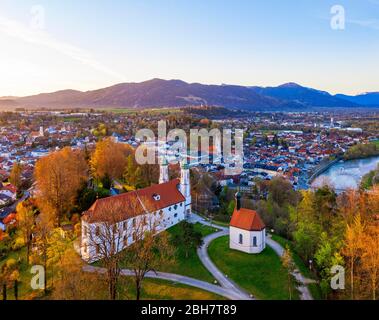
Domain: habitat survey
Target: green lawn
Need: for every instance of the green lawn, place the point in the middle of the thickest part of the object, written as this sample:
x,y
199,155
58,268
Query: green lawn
x,y
314,288
215,222
260,274
24,288
155,289
190,266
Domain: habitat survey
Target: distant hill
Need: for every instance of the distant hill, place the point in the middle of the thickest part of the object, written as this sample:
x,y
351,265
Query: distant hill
x,y
176,93
292,92
154,93
8,103
370,99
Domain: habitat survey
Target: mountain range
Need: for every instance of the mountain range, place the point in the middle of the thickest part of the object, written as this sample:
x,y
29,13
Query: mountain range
x,y
177,93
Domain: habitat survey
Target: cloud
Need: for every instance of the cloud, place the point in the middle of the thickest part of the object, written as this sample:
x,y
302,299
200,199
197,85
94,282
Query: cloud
x,y
18,30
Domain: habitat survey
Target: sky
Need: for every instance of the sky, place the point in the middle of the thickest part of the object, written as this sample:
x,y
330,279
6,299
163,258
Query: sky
x,y
52,45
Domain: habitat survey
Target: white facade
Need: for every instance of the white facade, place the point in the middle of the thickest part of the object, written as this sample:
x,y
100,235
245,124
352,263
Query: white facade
x,y
162,220
185,188
163,173
247,241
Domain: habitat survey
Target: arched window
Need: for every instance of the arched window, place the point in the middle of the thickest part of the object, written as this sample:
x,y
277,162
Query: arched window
x,y
254,241
240,239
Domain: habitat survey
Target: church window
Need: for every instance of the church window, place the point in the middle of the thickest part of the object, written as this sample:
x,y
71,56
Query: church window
x,y
240,239
254,241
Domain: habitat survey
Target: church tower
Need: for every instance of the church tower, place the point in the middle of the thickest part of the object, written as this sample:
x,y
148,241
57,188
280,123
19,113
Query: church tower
x,y
185,187
163,171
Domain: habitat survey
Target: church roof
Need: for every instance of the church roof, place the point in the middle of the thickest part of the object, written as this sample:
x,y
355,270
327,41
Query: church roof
x,y
136,203
247,219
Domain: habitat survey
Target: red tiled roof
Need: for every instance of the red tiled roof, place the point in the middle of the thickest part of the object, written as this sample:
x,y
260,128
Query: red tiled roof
x,y
247,219
137,202
10,218
11,188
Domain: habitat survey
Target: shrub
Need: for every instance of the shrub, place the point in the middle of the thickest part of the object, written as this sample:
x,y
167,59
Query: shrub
x,y
18,244
11,264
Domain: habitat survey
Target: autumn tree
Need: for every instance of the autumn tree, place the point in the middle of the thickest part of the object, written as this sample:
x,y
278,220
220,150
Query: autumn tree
x,y
109,159
146,246
73,283
149,251
44,228
353,247
59,177
289,265
108,238
370,258
281,191
348,204
26,222
140,176
15,177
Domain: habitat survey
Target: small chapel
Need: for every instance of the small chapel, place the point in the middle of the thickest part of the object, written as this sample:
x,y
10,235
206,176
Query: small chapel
x,y
247,231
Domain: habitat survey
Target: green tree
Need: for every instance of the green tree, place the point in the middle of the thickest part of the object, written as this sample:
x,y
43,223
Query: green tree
x,y
231,207
326,256
188,237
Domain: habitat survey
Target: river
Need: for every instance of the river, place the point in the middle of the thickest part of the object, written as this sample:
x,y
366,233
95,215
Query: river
x,y
347,174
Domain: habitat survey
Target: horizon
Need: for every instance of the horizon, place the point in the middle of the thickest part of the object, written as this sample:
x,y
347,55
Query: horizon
x,y
216,84
96,45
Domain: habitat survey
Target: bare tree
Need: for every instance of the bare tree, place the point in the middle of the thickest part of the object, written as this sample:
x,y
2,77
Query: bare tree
x,y
107,239
128,231
150,250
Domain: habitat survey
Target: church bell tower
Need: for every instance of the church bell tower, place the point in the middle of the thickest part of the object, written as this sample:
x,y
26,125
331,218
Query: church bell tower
x,y
185,187
163,171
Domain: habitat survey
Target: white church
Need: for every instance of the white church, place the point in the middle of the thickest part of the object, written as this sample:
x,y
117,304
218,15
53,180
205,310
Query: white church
x,y
170,200
247,232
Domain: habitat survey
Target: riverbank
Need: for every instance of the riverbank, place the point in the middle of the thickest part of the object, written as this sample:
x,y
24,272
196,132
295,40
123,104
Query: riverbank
x,y
347,174
322,168
362,151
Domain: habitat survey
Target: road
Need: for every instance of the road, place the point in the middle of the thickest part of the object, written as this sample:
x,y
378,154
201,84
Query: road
x,y
226,282
303,289
176,278
227,288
